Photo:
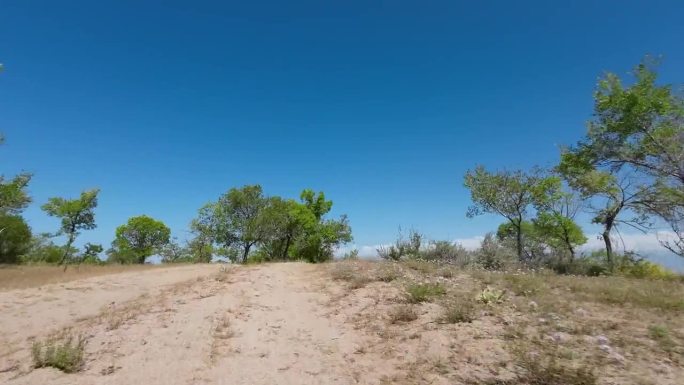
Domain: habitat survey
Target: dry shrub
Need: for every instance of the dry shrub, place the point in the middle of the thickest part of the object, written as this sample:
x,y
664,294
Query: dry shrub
x,y
402,314
65,353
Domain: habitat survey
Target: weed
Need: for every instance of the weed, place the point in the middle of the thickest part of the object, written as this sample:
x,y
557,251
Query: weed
x,y
403,314
459,312
65,354
661,334
490,296
359,281
424,292
342,272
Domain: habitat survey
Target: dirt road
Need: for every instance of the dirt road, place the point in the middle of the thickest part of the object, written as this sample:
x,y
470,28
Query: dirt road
x,y
269,324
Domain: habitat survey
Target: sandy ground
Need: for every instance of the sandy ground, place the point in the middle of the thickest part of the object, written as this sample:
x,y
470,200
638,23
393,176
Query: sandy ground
x,y
268,324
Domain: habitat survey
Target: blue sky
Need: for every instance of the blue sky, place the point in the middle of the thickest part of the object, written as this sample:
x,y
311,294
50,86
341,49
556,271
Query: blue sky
x,y
382,105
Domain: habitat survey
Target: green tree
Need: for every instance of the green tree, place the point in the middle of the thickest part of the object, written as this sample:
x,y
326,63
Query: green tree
x,y
641,127
91,253
173,252
13,195
510,194
319,237
43,250
556,225
614,197
15,238
236,219
76,215
141,236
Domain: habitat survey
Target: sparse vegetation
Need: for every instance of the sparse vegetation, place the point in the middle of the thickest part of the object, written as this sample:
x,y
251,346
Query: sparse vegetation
x,y
459,311
424,292
403,313
65,353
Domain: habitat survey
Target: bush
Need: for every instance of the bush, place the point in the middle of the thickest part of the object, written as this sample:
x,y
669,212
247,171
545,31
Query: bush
x,y
424,292
65,355
403,314
15,238
647,270
459,312
492,255
490,296
446,251
403,247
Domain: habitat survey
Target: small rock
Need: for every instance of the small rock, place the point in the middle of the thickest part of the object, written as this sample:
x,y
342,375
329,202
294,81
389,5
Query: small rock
x,y
533,305
558,337
581,312
606,348
542,320
602,340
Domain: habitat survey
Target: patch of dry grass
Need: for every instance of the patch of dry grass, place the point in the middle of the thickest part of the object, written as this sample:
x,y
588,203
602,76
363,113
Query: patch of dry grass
x,y
404,313
65,353
26,276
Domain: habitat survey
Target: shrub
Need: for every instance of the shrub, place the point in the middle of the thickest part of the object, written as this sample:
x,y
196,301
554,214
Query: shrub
x,y
424,292
403,314
403,247
646,269
65,354
490,296
351,255
492,255
459,312
447,252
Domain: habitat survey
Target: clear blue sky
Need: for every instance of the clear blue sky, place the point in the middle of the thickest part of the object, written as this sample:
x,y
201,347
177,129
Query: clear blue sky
x,y
382,105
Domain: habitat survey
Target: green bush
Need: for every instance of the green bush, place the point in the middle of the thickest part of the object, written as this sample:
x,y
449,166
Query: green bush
x,y
424,292
66,355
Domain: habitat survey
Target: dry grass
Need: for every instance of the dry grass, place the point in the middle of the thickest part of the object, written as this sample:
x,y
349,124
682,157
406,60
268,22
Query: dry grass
x,y
403,313
22,277
552,328
65,353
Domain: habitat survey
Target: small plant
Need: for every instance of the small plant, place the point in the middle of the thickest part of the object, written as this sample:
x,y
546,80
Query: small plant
x,y
387,275
65,354
403,314
661,334
424,292
459,312
352,255
490,296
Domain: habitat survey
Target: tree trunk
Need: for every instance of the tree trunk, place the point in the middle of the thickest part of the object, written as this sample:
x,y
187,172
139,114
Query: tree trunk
x,y
67,251
287,247
519,241
609,246
245,253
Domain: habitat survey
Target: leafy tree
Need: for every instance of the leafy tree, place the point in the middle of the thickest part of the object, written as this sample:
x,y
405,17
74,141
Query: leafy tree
x,y
15,239
43,250
13,195
613,198
141,236
641,127
235,219
319,236
75,214
556,225
533,246
510,194
91,253
173,252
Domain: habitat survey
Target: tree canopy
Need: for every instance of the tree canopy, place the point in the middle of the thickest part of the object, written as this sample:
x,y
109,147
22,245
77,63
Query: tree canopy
x,y
140,237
